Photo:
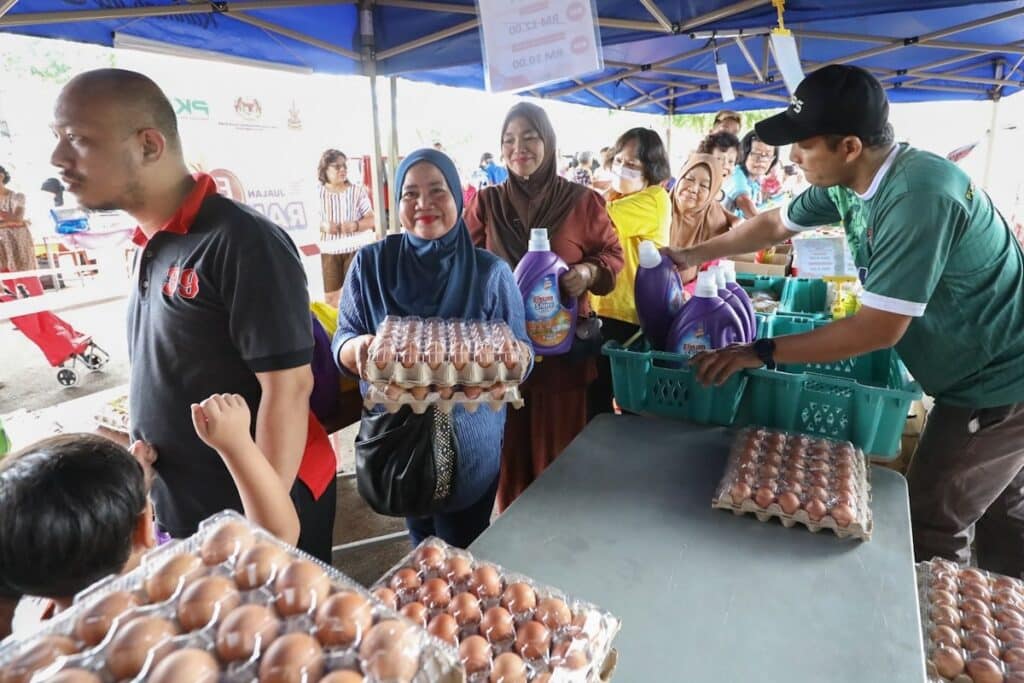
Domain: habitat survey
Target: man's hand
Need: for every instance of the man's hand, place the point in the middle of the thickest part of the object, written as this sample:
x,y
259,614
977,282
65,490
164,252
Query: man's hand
x,y
222,422
146,455
577,280
715,367
683,258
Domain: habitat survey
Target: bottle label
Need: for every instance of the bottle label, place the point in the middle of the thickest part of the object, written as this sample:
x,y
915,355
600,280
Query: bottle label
x,y
675,296
547,322
694,342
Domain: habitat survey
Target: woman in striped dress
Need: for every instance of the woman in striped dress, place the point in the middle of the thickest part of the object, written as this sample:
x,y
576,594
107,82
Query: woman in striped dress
x,y
345,211
17,251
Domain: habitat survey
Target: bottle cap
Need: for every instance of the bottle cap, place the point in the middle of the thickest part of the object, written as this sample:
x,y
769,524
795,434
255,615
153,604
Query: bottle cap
x,y
539,240
650,257
707,287
728,268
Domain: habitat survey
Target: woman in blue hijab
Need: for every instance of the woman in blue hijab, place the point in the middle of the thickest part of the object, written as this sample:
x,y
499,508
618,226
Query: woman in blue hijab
x,y
433,269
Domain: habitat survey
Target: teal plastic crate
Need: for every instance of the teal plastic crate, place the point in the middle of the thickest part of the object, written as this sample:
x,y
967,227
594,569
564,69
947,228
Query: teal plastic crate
x,y
864,399
805,296
762,283
660,383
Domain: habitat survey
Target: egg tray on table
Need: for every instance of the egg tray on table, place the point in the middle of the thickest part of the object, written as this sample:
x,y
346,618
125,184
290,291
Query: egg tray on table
x,y
393,400
231,604
114,414
508,628
799,479
973,624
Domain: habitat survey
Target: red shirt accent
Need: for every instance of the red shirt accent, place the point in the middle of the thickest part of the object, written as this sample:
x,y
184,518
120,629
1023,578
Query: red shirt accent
x,y
182,220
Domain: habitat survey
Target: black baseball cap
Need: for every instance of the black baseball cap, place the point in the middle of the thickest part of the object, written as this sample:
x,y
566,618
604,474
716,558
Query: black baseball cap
x,y
837,99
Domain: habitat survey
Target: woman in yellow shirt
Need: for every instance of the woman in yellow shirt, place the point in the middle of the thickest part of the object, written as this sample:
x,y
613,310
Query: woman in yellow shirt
x,y
641,210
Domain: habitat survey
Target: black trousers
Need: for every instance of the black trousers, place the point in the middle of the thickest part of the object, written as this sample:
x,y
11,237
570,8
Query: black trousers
x,y
600,392
316,520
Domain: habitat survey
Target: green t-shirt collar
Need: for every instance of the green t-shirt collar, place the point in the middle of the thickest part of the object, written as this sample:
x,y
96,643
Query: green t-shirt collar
x,y
880,174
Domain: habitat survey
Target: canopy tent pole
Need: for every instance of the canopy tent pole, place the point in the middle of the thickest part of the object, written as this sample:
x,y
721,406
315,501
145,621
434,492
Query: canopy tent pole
x,y
993,129
671,122
6,5
393,155
43,18
367,38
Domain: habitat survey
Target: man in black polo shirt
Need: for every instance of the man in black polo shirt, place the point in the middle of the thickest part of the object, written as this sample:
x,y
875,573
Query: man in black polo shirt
x,y
219,304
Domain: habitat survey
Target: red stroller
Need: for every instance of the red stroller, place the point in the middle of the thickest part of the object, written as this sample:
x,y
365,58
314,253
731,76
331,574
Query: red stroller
x,y
63,346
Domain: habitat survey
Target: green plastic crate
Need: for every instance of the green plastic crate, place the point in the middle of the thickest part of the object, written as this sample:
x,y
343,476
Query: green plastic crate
x,y
660,383
805,296
762,283
864,399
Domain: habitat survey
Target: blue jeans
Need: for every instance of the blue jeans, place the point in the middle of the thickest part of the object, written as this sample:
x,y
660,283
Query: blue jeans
x,y
458,528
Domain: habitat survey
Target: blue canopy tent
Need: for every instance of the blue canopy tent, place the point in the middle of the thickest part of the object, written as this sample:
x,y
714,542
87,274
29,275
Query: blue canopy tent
x,y
659,55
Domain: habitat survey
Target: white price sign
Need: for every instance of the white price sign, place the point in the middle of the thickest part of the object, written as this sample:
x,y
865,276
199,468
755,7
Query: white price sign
x,y
527,43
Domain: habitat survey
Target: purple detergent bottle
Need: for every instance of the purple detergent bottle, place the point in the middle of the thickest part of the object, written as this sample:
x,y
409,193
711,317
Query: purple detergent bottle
x,y
727,295
728,268
705,323
658,293
550,317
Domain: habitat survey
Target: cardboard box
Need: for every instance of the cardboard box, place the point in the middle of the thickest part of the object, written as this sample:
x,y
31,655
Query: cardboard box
x,y
778,266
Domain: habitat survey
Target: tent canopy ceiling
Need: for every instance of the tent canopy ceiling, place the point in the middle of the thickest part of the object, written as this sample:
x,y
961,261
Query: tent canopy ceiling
x,y
659,54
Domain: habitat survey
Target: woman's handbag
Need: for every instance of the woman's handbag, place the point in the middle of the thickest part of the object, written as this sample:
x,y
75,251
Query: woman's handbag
x,y
405,463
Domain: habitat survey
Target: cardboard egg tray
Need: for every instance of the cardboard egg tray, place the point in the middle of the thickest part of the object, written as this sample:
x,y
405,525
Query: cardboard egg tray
x,y
182,615
114,414
500,618
973,624
772,474
412,352
393,401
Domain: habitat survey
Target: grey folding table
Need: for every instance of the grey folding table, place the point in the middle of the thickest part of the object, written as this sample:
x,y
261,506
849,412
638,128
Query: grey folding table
x,y
623,519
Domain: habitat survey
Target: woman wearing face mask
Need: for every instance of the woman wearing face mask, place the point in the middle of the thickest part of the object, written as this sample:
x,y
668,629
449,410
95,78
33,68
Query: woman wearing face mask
x,y
696,216
641,210
581,233
432,269
743,196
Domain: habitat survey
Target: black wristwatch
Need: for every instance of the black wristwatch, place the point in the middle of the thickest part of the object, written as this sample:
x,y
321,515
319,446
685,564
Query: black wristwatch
x,y
765,350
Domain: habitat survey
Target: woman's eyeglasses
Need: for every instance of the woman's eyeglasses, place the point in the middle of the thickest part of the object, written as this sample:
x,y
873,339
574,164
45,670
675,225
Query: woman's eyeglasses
x,y
762,156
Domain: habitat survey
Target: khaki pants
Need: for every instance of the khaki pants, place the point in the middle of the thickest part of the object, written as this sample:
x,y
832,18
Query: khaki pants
x,y
966,485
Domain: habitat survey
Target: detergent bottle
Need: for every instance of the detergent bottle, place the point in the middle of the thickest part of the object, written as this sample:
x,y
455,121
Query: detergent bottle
x,y
727,295
658,293
706,321
550,317
728,268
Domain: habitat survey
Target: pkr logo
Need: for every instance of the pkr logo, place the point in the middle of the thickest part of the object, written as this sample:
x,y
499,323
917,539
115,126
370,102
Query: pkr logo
x,y
796,104
191,109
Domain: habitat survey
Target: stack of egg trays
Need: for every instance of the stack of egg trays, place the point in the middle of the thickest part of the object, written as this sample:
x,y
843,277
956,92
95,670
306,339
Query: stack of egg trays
x,y
973,623
591,632
412,362
799,467
58,646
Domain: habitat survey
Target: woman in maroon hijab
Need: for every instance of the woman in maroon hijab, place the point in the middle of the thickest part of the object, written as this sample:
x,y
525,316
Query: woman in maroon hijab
x,y
500,219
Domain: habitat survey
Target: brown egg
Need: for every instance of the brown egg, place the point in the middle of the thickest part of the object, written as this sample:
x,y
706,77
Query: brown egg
x,y
435,594
497,625
1009,617
190,664
460,354
789,502
485,582
386,596
247,629
948,662
472,393
980,642
1005,582
815,509
1011,634
409,354
383,355
739,491
970,575
429,558
945,635
944,615
1014,656
175,572
484,355
475,654
259,564
842,514
458,569
343,677
133,641
405,581
419,393
795,475
74,676
984,671
343,618
94,624
943,583
416,611
508,668
978,622
533,640
444,627
566,659
292,658
41,655
764,497
465,607
389,651
1014,677
434,354
206,598
519,598
300,587
941,597
767,471
553,613
498,391
975,606
1006,597
818,492
446,392
229,540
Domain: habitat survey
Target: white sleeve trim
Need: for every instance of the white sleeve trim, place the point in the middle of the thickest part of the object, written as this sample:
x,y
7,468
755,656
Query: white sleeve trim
x,y
794,227
891,305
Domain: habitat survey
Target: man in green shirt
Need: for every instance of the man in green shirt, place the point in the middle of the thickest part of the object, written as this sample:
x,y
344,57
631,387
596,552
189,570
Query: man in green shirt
x,y
943,283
